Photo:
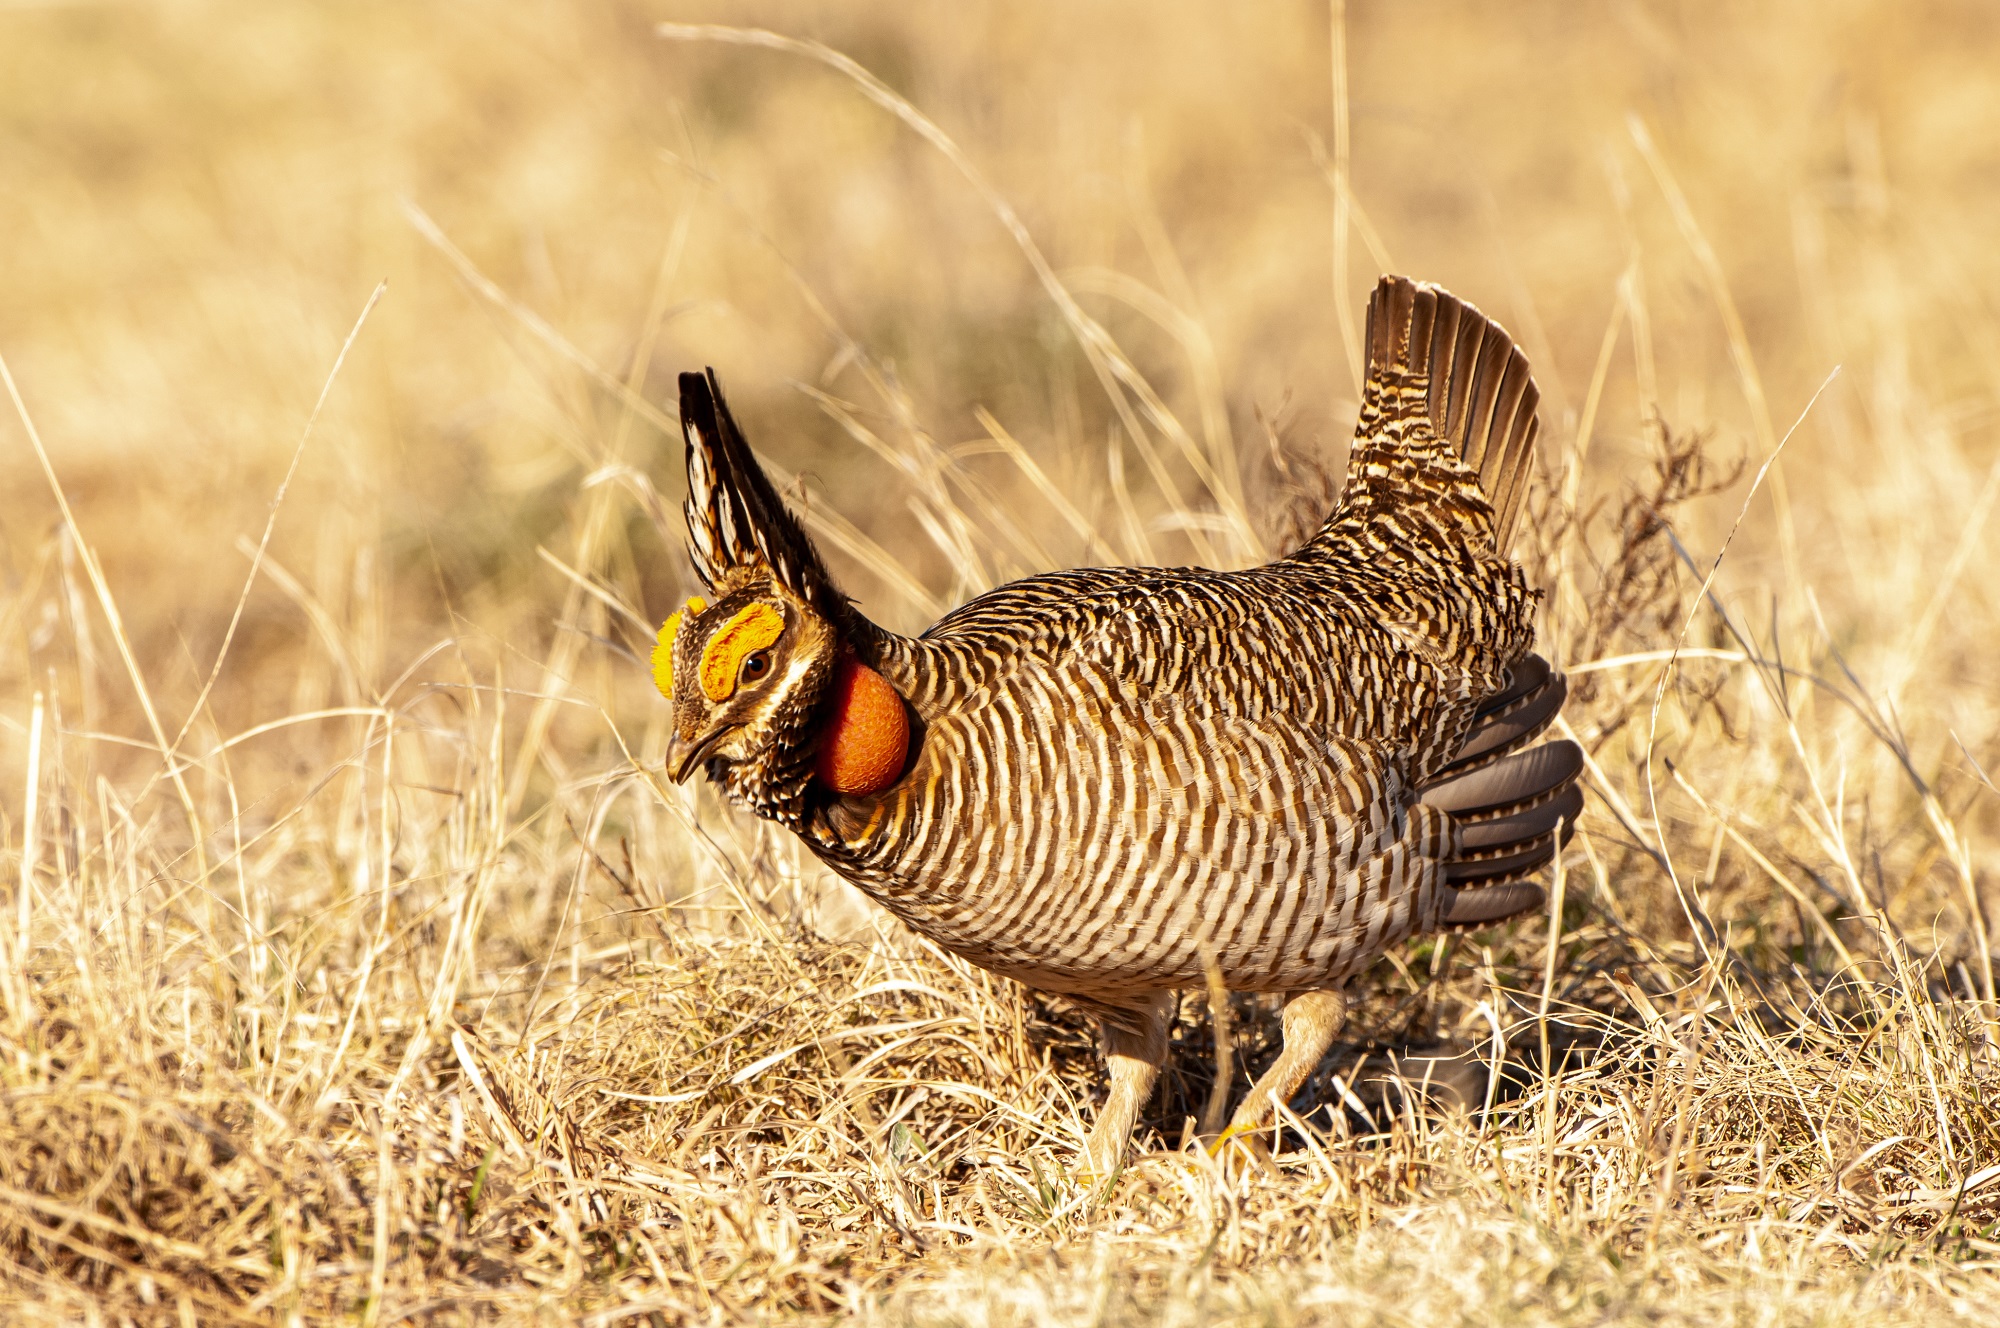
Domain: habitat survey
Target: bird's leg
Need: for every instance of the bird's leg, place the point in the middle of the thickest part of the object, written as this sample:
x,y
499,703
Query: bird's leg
x,y
1134,1059
1311,1021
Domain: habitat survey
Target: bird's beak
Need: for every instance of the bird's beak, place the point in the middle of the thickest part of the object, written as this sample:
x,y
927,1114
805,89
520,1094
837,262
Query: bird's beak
x,y
684,754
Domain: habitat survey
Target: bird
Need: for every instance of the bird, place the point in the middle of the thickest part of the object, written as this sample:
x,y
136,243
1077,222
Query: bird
x,y
1110,783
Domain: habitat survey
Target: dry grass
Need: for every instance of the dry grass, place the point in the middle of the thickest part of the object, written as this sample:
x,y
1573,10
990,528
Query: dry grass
x,y
357,965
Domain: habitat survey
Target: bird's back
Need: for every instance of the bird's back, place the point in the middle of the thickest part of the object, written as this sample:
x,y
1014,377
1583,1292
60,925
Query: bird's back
x,y
1114,782
1125,774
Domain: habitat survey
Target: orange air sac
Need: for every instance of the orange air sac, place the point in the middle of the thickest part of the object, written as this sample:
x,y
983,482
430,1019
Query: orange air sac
x,y
867,735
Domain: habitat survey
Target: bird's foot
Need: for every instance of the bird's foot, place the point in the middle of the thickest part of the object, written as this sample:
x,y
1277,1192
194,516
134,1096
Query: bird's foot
x,y
1102,1160
1239,1149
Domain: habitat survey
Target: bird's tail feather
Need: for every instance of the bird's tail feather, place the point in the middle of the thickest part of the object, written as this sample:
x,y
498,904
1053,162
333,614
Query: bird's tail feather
x,y
1510,719
1468,910
1515,805
1481,397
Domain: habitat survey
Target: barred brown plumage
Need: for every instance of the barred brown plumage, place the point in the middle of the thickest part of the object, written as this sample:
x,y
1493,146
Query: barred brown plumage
x,y
1119,776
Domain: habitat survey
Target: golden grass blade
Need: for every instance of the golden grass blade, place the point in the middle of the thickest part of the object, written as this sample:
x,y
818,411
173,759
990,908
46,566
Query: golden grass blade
x,y
1112,368
1697,916
1343,152
394,1057
1739,340
108,606
271,520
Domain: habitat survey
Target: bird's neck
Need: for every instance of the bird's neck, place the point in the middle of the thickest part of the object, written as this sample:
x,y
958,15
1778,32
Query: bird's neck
x,y
778,788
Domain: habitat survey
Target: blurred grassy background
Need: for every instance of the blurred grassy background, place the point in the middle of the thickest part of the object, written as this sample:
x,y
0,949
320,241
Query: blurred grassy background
x,y
1689,214
202,196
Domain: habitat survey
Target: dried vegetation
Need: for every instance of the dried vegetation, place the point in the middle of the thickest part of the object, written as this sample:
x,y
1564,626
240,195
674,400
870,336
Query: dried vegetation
x,y
355,964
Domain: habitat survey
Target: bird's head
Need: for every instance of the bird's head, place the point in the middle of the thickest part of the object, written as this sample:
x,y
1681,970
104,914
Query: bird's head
x,y
746,673
767,688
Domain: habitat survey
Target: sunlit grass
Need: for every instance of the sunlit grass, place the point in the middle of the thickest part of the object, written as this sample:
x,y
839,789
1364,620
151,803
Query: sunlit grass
x,y
358,964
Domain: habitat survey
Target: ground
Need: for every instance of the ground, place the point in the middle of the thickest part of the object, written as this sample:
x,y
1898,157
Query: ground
x,y
356,962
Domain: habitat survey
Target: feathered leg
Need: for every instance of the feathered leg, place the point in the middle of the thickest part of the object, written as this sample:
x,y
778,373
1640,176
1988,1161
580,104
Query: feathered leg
x,y
1312,1019
1134,1057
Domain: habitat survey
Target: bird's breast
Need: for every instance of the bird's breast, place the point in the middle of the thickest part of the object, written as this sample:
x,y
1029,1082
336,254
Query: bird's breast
x,y
1067,836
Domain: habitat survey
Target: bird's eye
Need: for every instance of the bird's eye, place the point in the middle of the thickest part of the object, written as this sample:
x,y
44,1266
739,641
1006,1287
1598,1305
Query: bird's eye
x,y
756,666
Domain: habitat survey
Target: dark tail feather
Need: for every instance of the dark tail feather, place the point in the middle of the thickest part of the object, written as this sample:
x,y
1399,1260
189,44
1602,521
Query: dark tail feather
x,y
1514,846
1465,910
1482,396
1509,813
1510,719
1514,813
735,517
1503,833
1528,675
1509,785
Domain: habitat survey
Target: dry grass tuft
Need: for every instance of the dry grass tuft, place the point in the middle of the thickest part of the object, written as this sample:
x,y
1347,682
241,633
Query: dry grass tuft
x,y
355,964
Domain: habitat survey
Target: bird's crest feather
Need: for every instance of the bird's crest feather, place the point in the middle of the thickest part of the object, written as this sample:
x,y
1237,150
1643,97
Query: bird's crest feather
x,y
735,518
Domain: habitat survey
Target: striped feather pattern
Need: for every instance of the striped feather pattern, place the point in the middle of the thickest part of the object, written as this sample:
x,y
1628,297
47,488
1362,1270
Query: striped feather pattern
x,y
1118,773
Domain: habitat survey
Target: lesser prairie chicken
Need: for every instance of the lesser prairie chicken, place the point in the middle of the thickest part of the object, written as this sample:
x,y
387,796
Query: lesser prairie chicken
x,y
1103,781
